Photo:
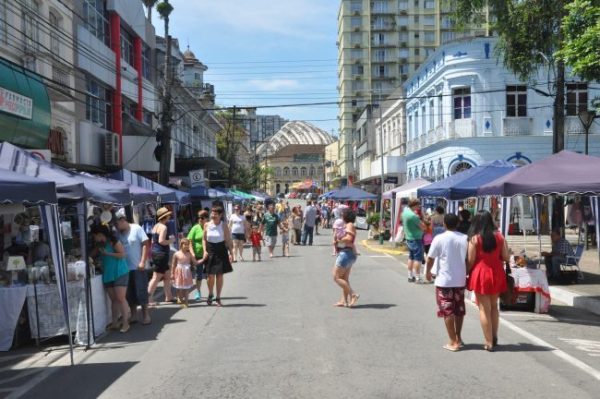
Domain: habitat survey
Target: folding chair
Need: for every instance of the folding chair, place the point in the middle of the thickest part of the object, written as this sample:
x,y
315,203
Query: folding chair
x,y
571,263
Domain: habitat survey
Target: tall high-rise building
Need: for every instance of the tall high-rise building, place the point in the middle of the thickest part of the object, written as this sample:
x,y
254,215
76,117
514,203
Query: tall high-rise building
x,y
380,44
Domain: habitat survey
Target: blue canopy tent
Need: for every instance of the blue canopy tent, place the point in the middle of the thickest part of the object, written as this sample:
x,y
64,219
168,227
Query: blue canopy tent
x,y
16,188
465,184
139,195
167,195
328,194
352,194
183,197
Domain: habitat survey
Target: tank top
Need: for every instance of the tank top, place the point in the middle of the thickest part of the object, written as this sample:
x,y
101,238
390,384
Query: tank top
x,y
157,248
237,224
214,233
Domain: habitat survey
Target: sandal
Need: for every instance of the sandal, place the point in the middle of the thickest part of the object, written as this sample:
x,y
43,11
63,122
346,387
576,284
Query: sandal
x,y
495,341
209,300
450,348
218,301
340,304
354,300
488,348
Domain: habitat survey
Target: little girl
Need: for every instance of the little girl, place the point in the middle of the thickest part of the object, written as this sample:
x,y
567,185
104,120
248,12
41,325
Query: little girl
x,y
285,239
256,239
339,231
181,270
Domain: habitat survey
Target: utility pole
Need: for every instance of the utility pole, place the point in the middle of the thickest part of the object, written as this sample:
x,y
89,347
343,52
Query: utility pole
x,y
166,119
231,147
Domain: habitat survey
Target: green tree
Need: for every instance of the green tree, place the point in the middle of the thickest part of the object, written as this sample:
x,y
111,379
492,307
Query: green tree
x,y
229,142
149,4
530,36
581,30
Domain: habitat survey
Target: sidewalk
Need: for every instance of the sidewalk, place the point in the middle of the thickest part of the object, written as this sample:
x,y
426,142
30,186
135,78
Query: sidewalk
x,y
584,295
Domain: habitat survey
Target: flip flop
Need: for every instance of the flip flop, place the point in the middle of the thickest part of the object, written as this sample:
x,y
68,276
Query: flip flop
x,y
451,349
340,304
147,323
354,300
488,348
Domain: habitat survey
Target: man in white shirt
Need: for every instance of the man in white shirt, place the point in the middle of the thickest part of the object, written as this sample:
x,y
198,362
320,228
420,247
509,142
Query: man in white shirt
x,y
449,249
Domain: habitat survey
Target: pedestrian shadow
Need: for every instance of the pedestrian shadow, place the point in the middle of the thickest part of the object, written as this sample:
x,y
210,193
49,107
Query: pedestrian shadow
x,y
378,306
520,347
161,316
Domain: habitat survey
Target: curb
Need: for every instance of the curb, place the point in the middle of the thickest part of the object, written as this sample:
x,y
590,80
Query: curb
x,y
575,300
382,249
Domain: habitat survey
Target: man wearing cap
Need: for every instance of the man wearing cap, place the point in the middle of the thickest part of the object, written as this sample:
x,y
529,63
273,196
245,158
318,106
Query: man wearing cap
x,y
136,244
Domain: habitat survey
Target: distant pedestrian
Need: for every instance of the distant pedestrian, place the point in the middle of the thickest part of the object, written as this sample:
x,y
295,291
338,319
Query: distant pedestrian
x,y
137,246
218,253
310,216
449,251
561,249
345,260
161,247
296,225
464,221
486,252
181,270
285,238
196,237
317,218
239,231
413,232
257,240
270,222
437,221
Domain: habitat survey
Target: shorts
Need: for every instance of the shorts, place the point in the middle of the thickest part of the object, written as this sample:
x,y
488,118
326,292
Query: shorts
x,y
256,251
137,288
160,261
415,250
345,259
285,239
239,236
121,281
271,241
450,301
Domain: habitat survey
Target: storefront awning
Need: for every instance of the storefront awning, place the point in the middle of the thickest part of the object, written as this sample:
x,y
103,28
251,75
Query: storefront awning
x,y
24,107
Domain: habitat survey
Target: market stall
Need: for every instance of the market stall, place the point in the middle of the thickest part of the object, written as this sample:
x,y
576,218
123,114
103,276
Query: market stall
x,y
408,190
17,191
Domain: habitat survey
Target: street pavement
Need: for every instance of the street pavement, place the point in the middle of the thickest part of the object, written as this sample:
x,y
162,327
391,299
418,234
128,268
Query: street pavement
x,y
278,336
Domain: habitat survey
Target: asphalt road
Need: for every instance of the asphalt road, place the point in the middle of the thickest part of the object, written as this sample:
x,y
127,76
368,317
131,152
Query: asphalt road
x,y
278,336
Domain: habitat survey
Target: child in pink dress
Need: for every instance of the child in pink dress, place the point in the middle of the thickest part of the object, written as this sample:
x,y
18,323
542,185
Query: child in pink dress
x,y
339,231
181,270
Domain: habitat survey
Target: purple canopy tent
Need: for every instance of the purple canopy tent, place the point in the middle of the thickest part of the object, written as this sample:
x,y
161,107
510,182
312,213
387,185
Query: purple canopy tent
x,y
563,173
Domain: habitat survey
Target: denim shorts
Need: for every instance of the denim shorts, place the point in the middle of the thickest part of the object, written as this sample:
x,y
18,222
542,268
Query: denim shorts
x,y
345,259
137,289
415,250
121,281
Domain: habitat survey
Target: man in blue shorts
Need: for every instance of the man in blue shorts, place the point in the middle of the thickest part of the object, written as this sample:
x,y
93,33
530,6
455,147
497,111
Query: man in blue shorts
x,y
413,232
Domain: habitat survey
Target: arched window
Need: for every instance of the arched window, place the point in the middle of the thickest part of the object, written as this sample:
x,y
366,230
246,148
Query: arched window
x,y
294,171
312,171
286,171
440,170
320,171
277,188
54,43
303,171
423,171
410,175
460,166
416,172
278,171
431,171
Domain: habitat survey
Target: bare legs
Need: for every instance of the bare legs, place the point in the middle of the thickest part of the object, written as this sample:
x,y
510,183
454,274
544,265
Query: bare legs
x,y
489,317
238,249
212,279
341,276
119,307
454,327
157,278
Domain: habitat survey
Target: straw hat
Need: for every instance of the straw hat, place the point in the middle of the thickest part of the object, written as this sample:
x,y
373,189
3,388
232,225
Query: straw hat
x,y
162,213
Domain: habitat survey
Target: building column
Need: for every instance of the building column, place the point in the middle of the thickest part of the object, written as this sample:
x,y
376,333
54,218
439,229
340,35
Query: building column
x,y
115,34
137,60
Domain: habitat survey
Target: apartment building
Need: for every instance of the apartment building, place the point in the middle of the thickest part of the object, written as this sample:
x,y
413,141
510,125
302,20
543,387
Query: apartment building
x,y
464,108
37,77
380,45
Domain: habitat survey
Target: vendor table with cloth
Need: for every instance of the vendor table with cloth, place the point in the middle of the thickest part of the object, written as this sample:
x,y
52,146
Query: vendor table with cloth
x,y
533,281
51,317
12,300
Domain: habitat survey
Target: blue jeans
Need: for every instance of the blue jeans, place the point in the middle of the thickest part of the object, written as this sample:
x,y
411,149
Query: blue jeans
x,y
307,234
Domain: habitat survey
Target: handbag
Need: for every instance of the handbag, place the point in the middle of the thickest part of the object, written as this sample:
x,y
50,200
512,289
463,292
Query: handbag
x,y
507,297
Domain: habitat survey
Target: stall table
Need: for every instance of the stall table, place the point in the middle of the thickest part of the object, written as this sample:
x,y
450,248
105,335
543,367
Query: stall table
x,y
12,300
529,280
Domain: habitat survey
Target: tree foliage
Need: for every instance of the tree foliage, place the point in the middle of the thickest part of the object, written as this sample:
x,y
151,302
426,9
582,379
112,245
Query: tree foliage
x,y
581,30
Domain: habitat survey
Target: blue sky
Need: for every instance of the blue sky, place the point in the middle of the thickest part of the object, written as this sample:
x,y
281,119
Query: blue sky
x,y
265,52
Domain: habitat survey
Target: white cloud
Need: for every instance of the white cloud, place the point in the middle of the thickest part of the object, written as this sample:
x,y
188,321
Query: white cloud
x,y
274,84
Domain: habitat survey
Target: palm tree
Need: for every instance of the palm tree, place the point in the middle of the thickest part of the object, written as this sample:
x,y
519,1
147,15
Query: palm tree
x,y
149,6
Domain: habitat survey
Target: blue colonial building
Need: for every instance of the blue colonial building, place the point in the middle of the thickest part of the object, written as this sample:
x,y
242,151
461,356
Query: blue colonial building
x,y
464,108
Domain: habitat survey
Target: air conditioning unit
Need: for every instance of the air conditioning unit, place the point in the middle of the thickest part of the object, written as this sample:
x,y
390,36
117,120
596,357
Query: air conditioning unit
x,y
111,150
403,60
356,12
357,45
357,29
403,12
403,44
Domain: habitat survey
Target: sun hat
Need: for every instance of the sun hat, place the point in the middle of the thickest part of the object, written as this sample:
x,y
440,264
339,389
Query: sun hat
x,y
162,213
120,214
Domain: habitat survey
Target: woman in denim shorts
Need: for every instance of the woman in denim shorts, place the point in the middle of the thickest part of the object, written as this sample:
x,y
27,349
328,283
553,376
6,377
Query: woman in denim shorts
x,y
345,260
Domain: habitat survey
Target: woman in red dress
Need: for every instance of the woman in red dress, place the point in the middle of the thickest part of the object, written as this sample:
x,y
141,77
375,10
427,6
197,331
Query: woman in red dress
x,y
486,255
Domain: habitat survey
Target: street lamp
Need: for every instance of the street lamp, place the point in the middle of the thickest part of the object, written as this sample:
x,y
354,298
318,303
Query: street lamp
x,y
587,118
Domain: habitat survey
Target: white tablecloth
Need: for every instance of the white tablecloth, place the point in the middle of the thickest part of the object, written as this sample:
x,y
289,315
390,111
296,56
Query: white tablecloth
x,y
52,321
11,303
533,280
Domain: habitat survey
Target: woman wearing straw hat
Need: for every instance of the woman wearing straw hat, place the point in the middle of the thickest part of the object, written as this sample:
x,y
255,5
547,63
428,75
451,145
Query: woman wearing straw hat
x,y
160,255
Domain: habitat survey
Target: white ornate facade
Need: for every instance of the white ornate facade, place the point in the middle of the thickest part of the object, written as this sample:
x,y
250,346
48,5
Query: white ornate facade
x,y
464,108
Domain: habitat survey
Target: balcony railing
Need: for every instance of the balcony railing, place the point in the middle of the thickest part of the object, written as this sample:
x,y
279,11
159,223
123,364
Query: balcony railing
x,y
460,128
519,126
440,134
423,141
573,125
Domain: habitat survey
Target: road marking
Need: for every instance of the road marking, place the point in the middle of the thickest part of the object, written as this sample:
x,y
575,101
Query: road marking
x,y
592,348
553,349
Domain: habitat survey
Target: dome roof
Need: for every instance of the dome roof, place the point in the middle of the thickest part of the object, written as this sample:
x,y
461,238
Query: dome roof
x,y
188,55
296,133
